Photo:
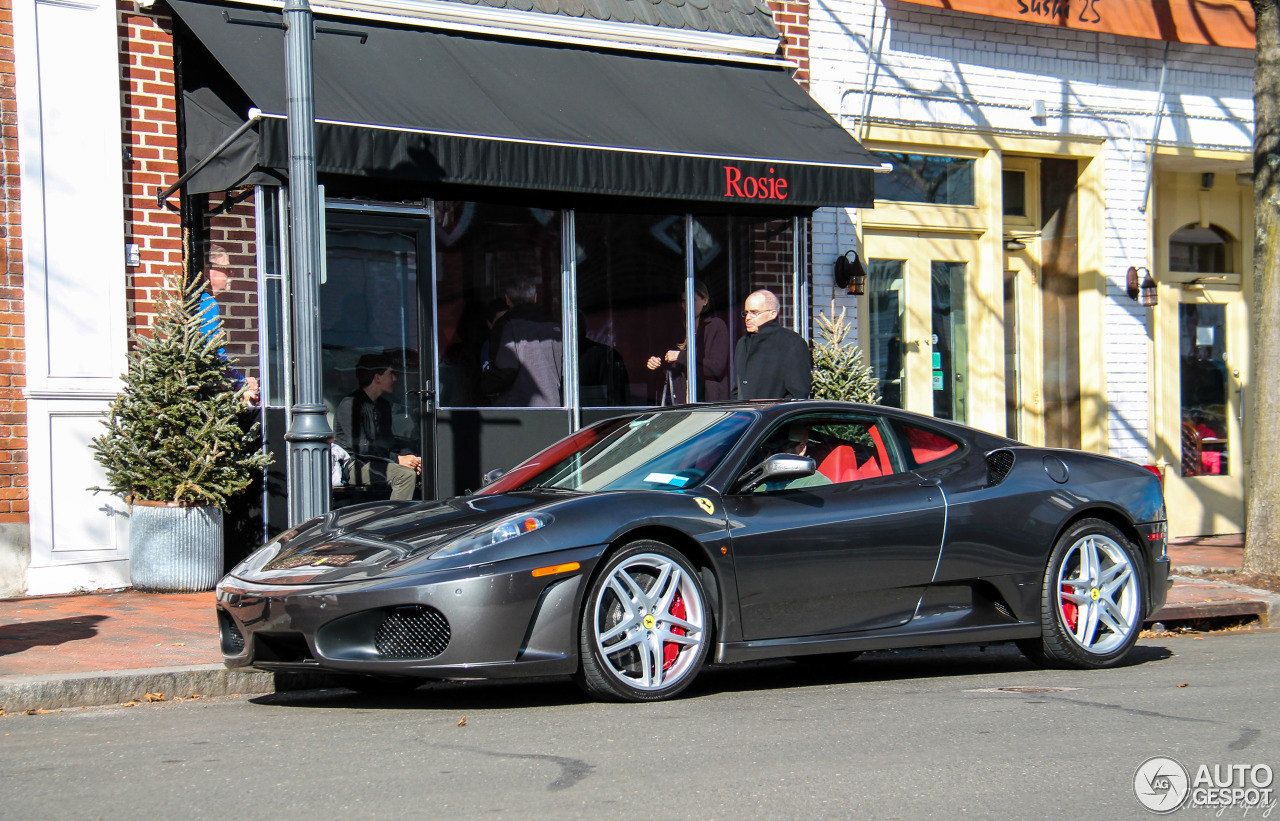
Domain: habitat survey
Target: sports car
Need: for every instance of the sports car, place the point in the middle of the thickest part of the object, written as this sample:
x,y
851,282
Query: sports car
x,y
637,550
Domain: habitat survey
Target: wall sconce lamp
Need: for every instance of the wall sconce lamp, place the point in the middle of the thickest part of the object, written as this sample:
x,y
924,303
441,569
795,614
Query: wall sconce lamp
x,y
849,273
1014,245
1141,286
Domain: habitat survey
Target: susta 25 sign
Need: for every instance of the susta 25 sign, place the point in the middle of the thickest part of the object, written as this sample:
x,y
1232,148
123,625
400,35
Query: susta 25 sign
x,y
753,188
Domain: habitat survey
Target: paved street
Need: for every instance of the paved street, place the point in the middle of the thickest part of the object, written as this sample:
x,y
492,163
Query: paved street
x,y
913,734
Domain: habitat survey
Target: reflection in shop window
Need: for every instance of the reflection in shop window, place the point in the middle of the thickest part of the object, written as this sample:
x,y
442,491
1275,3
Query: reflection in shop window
x,y
885,304
498,305
1202,350
1201,249
631,281
924,178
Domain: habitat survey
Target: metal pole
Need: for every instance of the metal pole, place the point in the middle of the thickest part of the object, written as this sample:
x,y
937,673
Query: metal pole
x,y
309,434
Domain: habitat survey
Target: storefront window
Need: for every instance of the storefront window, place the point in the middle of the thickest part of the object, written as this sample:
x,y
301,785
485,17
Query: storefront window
x,y
924,178
273,367
1203,348
885,301
498,305
631,319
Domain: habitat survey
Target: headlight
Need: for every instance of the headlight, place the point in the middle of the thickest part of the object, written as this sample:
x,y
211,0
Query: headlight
x,y
506,531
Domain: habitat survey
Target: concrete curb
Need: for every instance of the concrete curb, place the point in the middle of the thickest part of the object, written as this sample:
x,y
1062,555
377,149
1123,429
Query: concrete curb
x,y
61,690
1262,603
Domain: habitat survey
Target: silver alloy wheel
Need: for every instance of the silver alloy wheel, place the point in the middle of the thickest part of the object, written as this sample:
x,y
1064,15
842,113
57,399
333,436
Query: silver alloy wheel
x,y
1099,594
635,623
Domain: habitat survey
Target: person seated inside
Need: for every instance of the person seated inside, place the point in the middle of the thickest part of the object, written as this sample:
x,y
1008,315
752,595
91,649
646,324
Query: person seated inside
x,y
362,426
795,442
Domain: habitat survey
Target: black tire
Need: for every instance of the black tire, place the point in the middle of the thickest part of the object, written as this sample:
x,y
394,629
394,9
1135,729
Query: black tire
x,y
826,659
1114,604
663,588
381,685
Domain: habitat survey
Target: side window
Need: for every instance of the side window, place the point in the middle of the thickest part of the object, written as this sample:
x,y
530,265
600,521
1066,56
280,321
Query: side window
x,y
844,448
925,446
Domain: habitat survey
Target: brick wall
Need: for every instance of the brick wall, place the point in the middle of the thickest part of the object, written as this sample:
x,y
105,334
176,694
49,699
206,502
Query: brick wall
x,y
151,140
13,407
792,19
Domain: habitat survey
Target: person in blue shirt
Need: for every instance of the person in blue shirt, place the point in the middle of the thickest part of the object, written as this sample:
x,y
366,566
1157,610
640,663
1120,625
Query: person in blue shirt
x,y
211,317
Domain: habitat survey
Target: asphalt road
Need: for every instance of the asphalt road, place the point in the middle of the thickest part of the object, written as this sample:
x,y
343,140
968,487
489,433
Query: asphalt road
x,y
911,734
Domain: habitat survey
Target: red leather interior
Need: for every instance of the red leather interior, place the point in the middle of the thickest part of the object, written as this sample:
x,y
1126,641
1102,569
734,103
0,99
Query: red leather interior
x,y
926,446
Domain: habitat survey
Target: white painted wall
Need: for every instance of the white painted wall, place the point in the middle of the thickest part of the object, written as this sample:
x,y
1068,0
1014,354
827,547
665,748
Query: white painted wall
x,y
927,66
68,91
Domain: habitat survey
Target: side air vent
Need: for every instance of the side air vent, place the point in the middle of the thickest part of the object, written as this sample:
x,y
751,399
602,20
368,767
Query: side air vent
x,y
412,633
999,463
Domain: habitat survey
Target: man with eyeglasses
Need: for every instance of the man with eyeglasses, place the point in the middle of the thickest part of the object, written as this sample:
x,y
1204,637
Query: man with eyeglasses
x,y
770,361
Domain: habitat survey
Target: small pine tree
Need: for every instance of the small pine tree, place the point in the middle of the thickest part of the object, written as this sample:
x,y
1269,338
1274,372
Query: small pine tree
x,y
172,433
838,369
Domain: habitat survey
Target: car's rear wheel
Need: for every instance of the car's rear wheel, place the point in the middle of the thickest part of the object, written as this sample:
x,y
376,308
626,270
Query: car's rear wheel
x,y
1091,605
646,625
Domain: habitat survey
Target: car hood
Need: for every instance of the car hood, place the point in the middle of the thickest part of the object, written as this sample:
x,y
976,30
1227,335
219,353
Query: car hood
x,y
380,538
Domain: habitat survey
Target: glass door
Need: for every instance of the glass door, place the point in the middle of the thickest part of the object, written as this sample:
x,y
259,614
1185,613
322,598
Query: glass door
x,y
917,328
1201,393
376,373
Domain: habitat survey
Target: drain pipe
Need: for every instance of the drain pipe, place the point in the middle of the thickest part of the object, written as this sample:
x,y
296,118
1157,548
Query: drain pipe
x,y
1155,132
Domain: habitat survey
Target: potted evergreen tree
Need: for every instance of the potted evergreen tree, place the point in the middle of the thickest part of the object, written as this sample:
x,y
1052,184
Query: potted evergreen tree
x,y
838,369
174,449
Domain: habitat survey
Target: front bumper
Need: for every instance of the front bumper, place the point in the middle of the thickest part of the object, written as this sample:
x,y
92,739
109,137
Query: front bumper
x,y
491,621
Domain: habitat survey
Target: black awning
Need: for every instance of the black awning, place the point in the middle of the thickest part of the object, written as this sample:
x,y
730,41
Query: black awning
x,y
409,104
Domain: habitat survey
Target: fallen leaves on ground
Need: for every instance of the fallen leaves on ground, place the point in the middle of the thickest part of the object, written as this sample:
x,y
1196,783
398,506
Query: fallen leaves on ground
x,y
39,712
463,722
1258,581
1184,685
154,696
130,704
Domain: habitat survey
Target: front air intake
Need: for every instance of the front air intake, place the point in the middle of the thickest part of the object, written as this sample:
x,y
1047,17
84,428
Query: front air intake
x,y
412,633
231,638
999,463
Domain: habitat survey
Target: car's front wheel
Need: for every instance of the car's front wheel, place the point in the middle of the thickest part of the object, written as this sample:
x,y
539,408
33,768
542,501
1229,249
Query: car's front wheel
x,y
646,625
1091,605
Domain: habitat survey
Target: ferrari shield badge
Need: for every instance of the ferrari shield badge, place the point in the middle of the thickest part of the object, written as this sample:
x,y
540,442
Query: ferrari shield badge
x,y
706,506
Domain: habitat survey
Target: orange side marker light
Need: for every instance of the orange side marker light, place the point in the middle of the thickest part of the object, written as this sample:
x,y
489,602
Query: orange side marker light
x,y
556,568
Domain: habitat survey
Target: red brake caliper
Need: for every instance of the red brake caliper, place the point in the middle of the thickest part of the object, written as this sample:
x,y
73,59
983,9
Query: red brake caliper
x,y
670,650
1070,612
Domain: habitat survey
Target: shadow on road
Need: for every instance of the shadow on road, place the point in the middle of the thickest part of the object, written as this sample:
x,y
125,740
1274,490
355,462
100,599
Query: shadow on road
x,y
873,667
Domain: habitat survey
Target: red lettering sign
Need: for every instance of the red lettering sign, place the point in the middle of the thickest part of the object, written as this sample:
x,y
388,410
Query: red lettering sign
x,y
753,188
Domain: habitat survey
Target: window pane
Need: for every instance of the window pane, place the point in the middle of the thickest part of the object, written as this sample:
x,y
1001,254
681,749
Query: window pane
x,y
734,256
368,305
1015,193
885,303
1200,250
1202,347
922,178
631,280
498,305
950,342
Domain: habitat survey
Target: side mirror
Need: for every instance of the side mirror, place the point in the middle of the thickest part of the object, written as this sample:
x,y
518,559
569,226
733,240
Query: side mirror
x,y
779,467
493,476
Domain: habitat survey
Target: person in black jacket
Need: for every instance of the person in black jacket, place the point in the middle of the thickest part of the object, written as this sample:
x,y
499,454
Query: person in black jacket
x,y
770,361
362,428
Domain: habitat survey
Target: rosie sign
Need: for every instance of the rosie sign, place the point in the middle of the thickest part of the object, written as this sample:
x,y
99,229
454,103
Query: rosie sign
x,y
753,188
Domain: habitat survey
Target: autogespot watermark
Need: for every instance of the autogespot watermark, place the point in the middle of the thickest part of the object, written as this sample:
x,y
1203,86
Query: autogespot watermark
x,y
1163,785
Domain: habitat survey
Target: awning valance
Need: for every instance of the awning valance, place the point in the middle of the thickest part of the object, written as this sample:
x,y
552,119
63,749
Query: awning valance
x,y
427,106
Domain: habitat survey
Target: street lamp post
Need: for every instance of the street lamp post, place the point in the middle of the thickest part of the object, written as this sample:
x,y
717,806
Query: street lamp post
x,y
309,433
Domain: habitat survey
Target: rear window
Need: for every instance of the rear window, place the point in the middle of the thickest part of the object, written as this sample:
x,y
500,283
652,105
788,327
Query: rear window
x,y
924,446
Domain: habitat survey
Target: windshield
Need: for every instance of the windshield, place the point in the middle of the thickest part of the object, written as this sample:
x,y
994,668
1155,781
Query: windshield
x,y
664,450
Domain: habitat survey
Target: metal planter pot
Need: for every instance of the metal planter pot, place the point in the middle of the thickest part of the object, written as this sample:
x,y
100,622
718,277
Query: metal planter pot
x,y
174,548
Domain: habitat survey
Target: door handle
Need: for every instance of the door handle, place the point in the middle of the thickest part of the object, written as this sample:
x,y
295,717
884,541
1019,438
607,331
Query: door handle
x,y
425,394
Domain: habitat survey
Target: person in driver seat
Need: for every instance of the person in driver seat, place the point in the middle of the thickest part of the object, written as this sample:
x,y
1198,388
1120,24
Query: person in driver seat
x,y
796,443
